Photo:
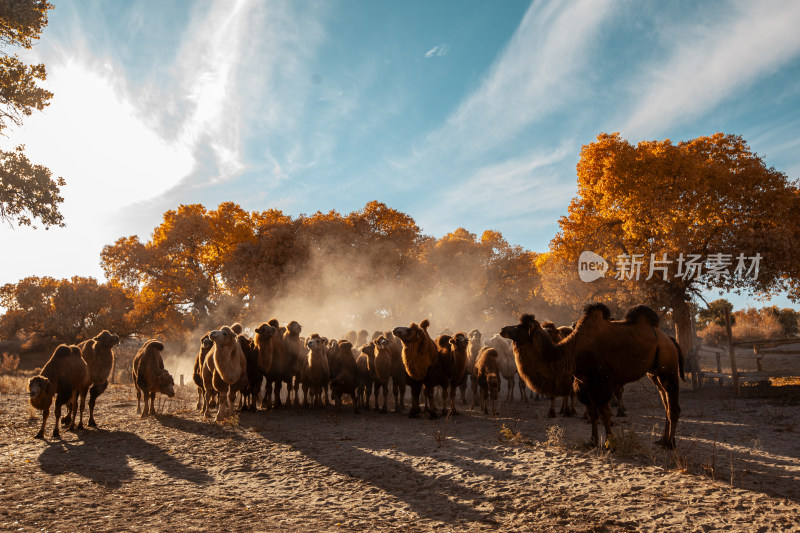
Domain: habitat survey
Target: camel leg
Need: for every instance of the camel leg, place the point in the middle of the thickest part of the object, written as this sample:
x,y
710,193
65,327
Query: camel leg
x,y
453,400
73,406
200,398
45,414
552,412
510,385
605,416
522,390
416,390
484,398
56,435
594,415
620,405
96,390
430,396
668,389
474,385
83,406
139,402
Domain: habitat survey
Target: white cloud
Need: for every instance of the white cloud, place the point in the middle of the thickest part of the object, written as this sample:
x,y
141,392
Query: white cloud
x,y
710,63
437,51
539,71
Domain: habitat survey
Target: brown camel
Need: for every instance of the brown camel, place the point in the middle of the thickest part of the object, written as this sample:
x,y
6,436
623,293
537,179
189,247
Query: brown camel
x,y
225,370
422,361
97,352
568,401
600,355
150,377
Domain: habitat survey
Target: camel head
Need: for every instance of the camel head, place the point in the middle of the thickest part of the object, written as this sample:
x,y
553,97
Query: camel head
x,y
345,348
369,350
294,328
413,333
459,341
41,392
166,385
523,332
382,343
106,339
223,337
315,342
265,331
351,336
474,336
206,343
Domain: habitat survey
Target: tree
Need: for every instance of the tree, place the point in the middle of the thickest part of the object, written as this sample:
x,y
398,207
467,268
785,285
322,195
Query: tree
x,y
67,310
715,313
27,190
709,203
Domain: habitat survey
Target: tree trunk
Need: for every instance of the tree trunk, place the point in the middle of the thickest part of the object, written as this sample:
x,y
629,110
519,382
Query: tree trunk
x,y
682,318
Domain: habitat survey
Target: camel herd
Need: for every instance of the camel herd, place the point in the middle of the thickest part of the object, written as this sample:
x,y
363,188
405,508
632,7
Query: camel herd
x,y
592,361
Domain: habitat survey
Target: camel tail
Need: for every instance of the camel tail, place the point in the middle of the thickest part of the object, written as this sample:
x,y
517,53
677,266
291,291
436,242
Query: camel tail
x,y
681,360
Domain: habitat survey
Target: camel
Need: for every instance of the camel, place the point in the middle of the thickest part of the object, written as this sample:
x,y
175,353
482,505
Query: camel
x,y
100,360
487,375
398,370
197,376
458,364
317,372
473,349
568,401
508,369
599,355
225,371
422,362
379,360
150,377
65,376
294,349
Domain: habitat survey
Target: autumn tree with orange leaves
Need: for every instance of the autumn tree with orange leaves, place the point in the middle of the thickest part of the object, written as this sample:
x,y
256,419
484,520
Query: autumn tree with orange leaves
x,y
67,310
663,204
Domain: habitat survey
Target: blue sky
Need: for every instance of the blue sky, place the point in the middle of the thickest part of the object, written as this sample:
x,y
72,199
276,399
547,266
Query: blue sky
x,y
460,113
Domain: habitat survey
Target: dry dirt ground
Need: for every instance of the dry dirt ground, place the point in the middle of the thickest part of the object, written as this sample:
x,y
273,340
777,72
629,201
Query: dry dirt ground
x,y
737,468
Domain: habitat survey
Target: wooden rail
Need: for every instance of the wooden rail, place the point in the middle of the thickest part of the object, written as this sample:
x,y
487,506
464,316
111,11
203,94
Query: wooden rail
x,y
760,349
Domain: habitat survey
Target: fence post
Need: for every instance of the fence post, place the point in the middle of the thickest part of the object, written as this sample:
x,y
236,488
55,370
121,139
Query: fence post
x,y
757,355
732,352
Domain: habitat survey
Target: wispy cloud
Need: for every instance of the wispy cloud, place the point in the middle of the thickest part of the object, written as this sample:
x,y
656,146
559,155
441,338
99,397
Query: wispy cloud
x,y
710,61
538,71
437,51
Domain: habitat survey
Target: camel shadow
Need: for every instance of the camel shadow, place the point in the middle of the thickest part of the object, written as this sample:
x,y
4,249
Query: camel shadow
x,y
386,465
203,428
104,458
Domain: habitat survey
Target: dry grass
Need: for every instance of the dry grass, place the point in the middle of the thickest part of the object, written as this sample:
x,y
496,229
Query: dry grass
x,y
13,384
9,363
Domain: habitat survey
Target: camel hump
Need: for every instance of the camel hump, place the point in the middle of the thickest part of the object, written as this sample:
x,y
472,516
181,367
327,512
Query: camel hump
x,y
527,319
642,312
274,323
596,306
424,324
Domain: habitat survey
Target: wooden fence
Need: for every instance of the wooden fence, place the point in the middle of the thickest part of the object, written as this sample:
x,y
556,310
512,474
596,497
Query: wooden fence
x,y
761,348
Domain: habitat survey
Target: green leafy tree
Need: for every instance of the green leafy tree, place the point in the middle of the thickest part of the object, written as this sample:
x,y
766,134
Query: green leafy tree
x,y
28,192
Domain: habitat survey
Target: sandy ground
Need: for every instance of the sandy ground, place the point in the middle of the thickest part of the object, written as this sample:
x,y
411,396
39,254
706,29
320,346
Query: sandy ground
x,y
737,468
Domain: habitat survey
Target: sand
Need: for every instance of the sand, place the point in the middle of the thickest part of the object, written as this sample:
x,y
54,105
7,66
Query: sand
x,y
737,468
